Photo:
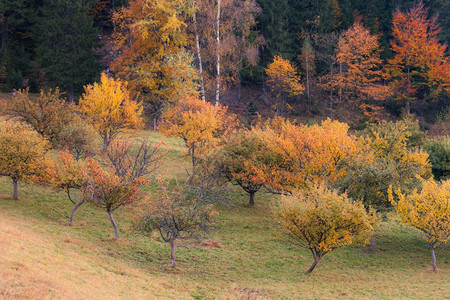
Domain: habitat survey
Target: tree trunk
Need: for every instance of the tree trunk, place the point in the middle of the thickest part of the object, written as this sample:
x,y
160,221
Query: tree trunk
x,y
433,257
116,230
71,93
199,56
408,108
172,253
218,54
239,95
252,198
72,215
15,190
307,80
316,260
331,89
340,82
371,243
154,124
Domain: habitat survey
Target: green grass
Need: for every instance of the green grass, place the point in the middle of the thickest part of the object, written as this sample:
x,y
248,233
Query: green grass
x,y
245,258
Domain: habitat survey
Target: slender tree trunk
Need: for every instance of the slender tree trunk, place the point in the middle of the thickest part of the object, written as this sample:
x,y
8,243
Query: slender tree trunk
x,y
199,55
371,243
71,93
116,230
252,198
218,54
239,87
15,190
72,215
433,257
408,108
154,124
331,89
316,261
172,253
340,82
307,78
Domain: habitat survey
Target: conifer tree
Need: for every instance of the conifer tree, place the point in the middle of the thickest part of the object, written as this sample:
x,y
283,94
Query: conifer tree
x,y
66,43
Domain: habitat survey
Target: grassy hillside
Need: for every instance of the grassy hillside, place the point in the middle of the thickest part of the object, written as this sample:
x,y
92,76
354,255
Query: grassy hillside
x,y
41,257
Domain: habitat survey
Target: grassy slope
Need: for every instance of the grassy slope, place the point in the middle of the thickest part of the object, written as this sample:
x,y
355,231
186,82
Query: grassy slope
x,y
246,258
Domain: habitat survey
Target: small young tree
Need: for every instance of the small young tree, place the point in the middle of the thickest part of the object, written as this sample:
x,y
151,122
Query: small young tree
x,y
428,211
176,213
22,152
283,81
110,108
323,220
68,174
198,123
116,180
109,191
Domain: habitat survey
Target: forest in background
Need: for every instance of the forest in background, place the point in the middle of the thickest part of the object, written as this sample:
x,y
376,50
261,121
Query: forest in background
x,y
222,50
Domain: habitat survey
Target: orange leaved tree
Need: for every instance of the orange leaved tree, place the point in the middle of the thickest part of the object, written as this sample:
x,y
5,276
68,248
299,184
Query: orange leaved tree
x,y
360,66
109,106
323,220
22,153
428,211
109,191
308,153
198,123
283,81
67,174
419,66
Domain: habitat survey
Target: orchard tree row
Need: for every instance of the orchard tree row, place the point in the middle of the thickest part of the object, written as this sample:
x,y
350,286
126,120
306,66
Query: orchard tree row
x,y
303,57
335,185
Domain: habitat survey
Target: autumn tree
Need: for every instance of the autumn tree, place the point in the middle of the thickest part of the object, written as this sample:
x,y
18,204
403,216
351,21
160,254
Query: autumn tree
x,y
114,179
360,66
150,41
243,159
383,158
323,220
199,124
419,68
309,153
176,213
283,81
110,108
428,211
386,154
307,58
22,152
47,113
227,42
68,174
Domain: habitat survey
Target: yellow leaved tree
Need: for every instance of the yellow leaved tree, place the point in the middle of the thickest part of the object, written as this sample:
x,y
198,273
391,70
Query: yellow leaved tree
x,y
428,211
283,81
198,123
22,152
111,108
323,220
